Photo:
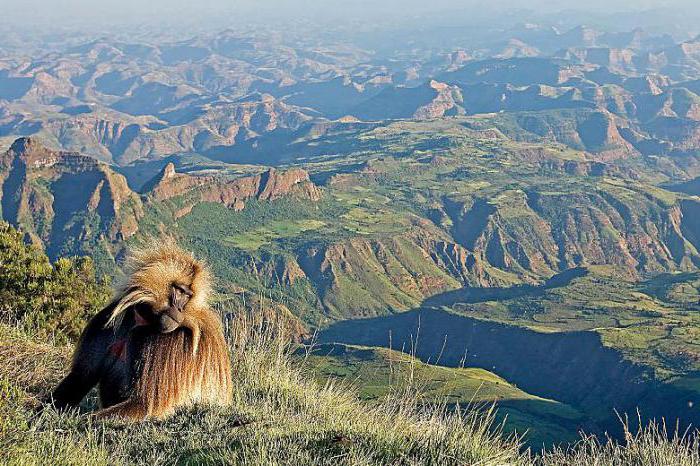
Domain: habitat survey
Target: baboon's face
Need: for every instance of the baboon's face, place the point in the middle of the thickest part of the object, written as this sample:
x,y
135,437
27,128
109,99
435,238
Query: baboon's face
x,y
163,289
168,317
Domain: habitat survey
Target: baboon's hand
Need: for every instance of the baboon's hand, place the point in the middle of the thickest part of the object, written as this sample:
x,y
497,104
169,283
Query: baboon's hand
x,y
129,410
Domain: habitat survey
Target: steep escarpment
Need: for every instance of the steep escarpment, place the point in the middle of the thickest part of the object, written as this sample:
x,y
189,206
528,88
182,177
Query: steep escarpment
x,y
270,185
107,137
74,204
619,227
690,223
432,100
537,362
505,233
363,277
66,201
597,132
276,269
533,235
372,276
510,239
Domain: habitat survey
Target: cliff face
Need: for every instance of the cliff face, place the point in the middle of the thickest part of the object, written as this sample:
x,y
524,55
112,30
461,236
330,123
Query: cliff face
x,y
508,235
518,240
266,186
62,198
538,234
595,132
105,137
447,98
74,204
362,277
430,100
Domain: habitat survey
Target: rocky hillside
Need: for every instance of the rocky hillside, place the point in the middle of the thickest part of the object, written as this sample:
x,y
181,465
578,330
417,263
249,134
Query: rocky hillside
x,y
384,236
73,204
64,200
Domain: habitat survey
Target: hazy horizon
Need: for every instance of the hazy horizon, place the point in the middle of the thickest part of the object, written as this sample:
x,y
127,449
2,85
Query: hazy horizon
x,y
68,13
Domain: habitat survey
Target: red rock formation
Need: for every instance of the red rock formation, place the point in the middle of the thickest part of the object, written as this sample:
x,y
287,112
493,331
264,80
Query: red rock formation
x,y
48,212
269,185
447,98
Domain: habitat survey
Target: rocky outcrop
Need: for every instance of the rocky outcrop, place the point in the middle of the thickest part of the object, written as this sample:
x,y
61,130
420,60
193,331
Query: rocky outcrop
x,y
70,203
168,184
431,100
599,135
62,198
370,276
595,132
618,60
270,185
509,235
447,98
536,235
605,228
275,269
104,137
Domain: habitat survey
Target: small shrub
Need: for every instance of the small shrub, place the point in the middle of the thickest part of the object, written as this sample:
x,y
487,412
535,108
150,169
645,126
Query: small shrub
x,y
49,300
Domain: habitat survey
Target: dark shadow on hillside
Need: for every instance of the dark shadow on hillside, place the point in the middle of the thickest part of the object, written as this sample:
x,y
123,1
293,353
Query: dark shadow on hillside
x,y
470,294
691,187
572,367
12,191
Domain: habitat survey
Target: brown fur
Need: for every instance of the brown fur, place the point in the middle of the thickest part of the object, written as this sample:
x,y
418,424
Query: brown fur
x,y
160,371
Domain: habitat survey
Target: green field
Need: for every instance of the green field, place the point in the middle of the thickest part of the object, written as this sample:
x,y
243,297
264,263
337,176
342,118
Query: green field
x,y
253,239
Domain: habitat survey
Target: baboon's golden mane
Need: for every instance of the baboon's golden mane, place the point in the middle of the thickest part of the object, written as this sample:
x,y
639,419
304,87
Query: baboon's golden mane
x,y
152,269
187,365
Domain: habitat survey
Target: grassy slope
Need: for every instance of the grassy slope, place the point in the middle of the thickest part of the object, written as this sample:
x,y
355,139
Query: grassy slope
x,y
278,417
376,372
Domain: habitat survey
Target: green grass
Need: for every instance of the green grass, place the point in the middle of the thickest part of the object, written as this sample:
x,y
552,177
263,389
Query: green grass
x,y
253,239
282,418
377,372
279,416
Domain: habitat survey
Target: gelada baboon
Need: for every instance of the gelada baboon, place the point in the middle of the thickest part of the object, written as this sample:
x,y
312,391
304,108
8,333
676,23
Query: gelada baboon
x,y
157,346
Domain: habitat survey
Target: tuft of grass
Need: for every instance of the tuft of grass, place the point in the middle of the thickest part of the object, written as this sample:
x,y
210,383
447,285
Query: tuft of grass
x,y
651,445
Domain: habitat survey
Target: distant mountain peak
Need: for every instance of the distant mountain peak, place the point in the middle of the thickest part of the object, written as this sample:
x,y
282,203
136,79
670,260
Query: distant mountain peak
x,y
168,171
